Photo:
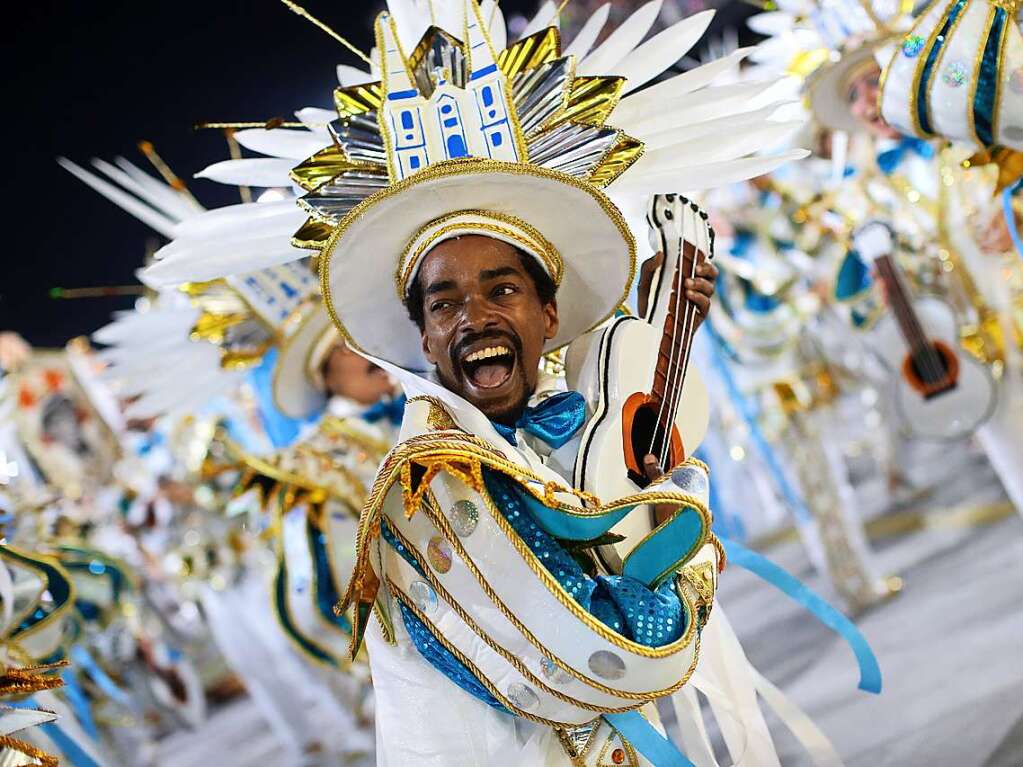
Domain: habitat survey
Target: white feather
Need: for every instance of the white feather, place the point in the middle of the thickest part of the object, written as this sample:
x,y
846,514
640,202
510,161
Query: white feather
x,y
716,147
279,142
588,35
123,200
173,200
701,177
546,16
241,218
348,76
706,104
621,42
316,119
661,51
146,194
721,126
679,85
249,172
223,257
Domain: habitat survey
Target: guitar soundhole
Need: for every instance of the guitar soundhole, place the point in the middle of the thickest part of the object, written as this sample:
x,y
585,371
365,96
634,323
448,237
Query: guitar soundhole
x,y
932,371
639,420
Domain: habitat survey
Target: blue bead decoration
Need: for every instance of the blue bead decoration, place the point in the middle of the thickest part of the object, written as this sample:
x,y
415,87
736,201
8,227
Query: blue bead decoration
x,y
623,604
912,46
442,659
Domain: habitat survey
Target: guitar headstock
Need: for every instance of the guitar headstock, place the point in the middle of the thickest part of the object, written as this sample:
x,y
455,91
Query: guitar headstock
x,y
874,240
673,218
681,230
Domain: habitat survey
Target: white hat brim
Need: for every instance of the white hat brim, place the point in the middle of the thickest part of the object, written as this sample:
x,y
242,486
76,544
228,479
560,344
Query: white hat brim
x,y
827,91
293,392
359,263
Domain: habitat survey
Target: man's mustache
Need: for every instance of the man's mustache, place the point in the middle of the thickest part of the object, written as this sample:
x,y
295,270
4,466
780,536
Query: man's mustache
x,y
465,342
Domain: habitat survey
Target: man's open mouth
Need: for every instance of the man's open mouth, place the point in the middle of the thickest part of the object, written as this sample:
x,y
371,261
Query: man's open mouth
x,y
489,367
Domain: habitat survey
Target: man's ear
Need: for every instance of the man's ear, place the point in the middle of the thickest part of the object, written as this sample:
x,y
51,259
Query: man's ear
x,y
550,319
426,348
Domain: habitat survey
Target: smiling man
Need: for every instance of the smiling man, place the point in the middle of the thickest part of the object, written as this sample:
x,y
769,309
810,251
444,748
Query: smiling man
x,y
503,633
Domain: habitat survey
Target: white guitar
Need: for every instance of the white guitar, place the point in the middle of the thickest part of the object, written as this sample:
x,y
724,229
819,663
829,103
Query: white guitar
x,y
635,376
941,392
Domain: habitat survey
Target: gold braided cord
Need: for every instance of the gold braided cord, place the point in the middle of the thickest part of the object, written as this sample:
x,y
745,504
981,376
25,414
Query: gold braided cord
x,y
515,662
44,759
298,9
444,526
443,452
472,667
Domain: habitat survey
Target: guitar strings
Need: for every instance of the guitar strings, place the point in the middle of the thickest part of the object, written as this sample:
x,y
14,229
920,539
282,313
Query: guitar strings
x,y
927,361
690,325
675,319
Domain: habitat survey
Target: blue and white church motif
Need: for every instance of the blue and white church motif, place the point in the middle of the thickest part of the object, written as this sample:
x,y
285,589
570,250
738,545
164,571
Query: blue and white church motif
x,y
476,121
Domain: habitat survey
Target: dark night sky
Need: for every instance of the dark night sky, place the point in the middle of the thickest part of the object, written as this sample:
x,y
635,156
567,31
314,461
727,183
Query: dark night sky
x,y
89,79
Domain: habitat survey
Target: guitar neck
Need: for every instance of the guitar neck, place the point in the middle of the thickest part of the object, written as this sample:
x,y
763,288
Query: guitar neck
x,y
676,339
901,304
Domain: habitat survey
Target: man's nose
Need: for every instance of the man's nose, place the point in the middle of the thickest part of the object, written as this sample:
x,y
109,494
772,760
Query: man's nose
x,y
478,314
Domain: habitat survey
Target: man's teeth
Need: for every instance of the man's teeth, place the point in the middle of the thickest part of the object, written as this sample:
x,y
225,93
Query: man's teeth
x,y
490,351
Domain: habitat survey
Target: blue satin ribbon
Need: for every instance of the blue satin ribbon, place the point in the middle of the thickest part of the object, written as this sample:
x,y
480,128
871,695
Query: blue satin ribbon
x,y
391,409
870,672
645,738
554,420
747,409
100,677
79,703
1010,217
890,159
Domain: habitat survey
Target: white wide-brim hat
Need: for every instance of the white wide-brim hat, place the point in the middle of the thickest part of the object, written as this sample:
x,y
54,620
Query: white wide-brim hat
x,y
827,89
298,386
569,225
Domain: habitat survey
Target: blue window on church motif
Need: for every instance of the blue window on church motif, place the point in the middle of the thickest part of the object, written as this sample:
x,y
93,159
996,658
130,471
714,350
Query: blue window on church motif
x,y
451,122
488,95
445,108
496,139
413,162
456,147
406,120
289,291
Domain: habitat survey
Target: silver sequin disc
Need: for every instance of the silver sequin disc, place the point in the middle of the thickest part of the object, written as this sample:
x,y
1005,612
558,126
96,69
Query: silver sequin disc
x,y
423,595
522,697
553,673
607,665
464,515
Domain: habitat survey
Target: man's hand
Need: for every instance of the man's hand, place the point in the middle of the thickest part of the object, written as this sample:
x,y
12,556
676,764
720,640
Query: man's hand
x,y
652,469
699,289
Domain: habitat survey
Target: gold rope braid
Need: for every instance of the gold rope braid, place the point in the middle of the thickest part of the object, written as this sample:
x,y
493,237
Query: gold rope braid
x,y
44,759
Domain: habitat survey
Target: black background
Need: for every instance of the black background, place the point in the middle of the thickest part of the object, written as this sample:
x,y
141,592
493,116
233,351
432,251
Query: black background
x,y
90,78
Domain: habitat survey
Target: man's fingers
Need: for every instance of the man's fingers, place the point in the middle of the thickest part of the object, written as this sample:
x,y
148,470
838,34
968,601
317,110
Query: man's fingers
x,y
707,269
700,285
651,466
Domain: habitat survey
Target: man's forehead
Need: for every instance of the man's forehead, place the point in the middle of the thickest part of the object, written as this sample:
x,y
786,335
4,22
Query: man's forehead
x,y
468,256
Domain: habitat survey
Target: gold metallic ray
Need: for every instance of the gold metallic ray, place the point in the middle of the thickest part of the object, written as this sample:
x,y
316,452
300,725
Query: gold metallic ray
x,y
530,52
325,165
591,99
298,9
312,235
242,359
358,99
617,160
213,327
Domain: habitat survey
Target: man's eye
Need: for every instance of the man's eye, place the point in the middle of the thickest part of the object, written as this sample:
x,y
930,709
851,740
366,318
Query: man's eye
x,y
505,290
437,306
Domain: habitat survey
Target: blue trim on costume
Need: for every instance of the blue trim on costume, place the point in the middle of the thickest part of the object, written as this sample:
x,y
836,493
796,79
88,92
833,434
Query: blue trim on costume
x,y
442,659
922,112
280,586
326,593
665,549
987,82
281,429
398,95
483,72
100,677
1010,216
870,672
642,736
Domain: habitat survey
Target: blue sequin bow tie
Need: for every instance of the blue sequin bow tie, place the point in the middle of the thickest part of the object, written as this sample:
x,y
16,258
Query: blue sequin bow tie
x,y
554,420
391,409
890,159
